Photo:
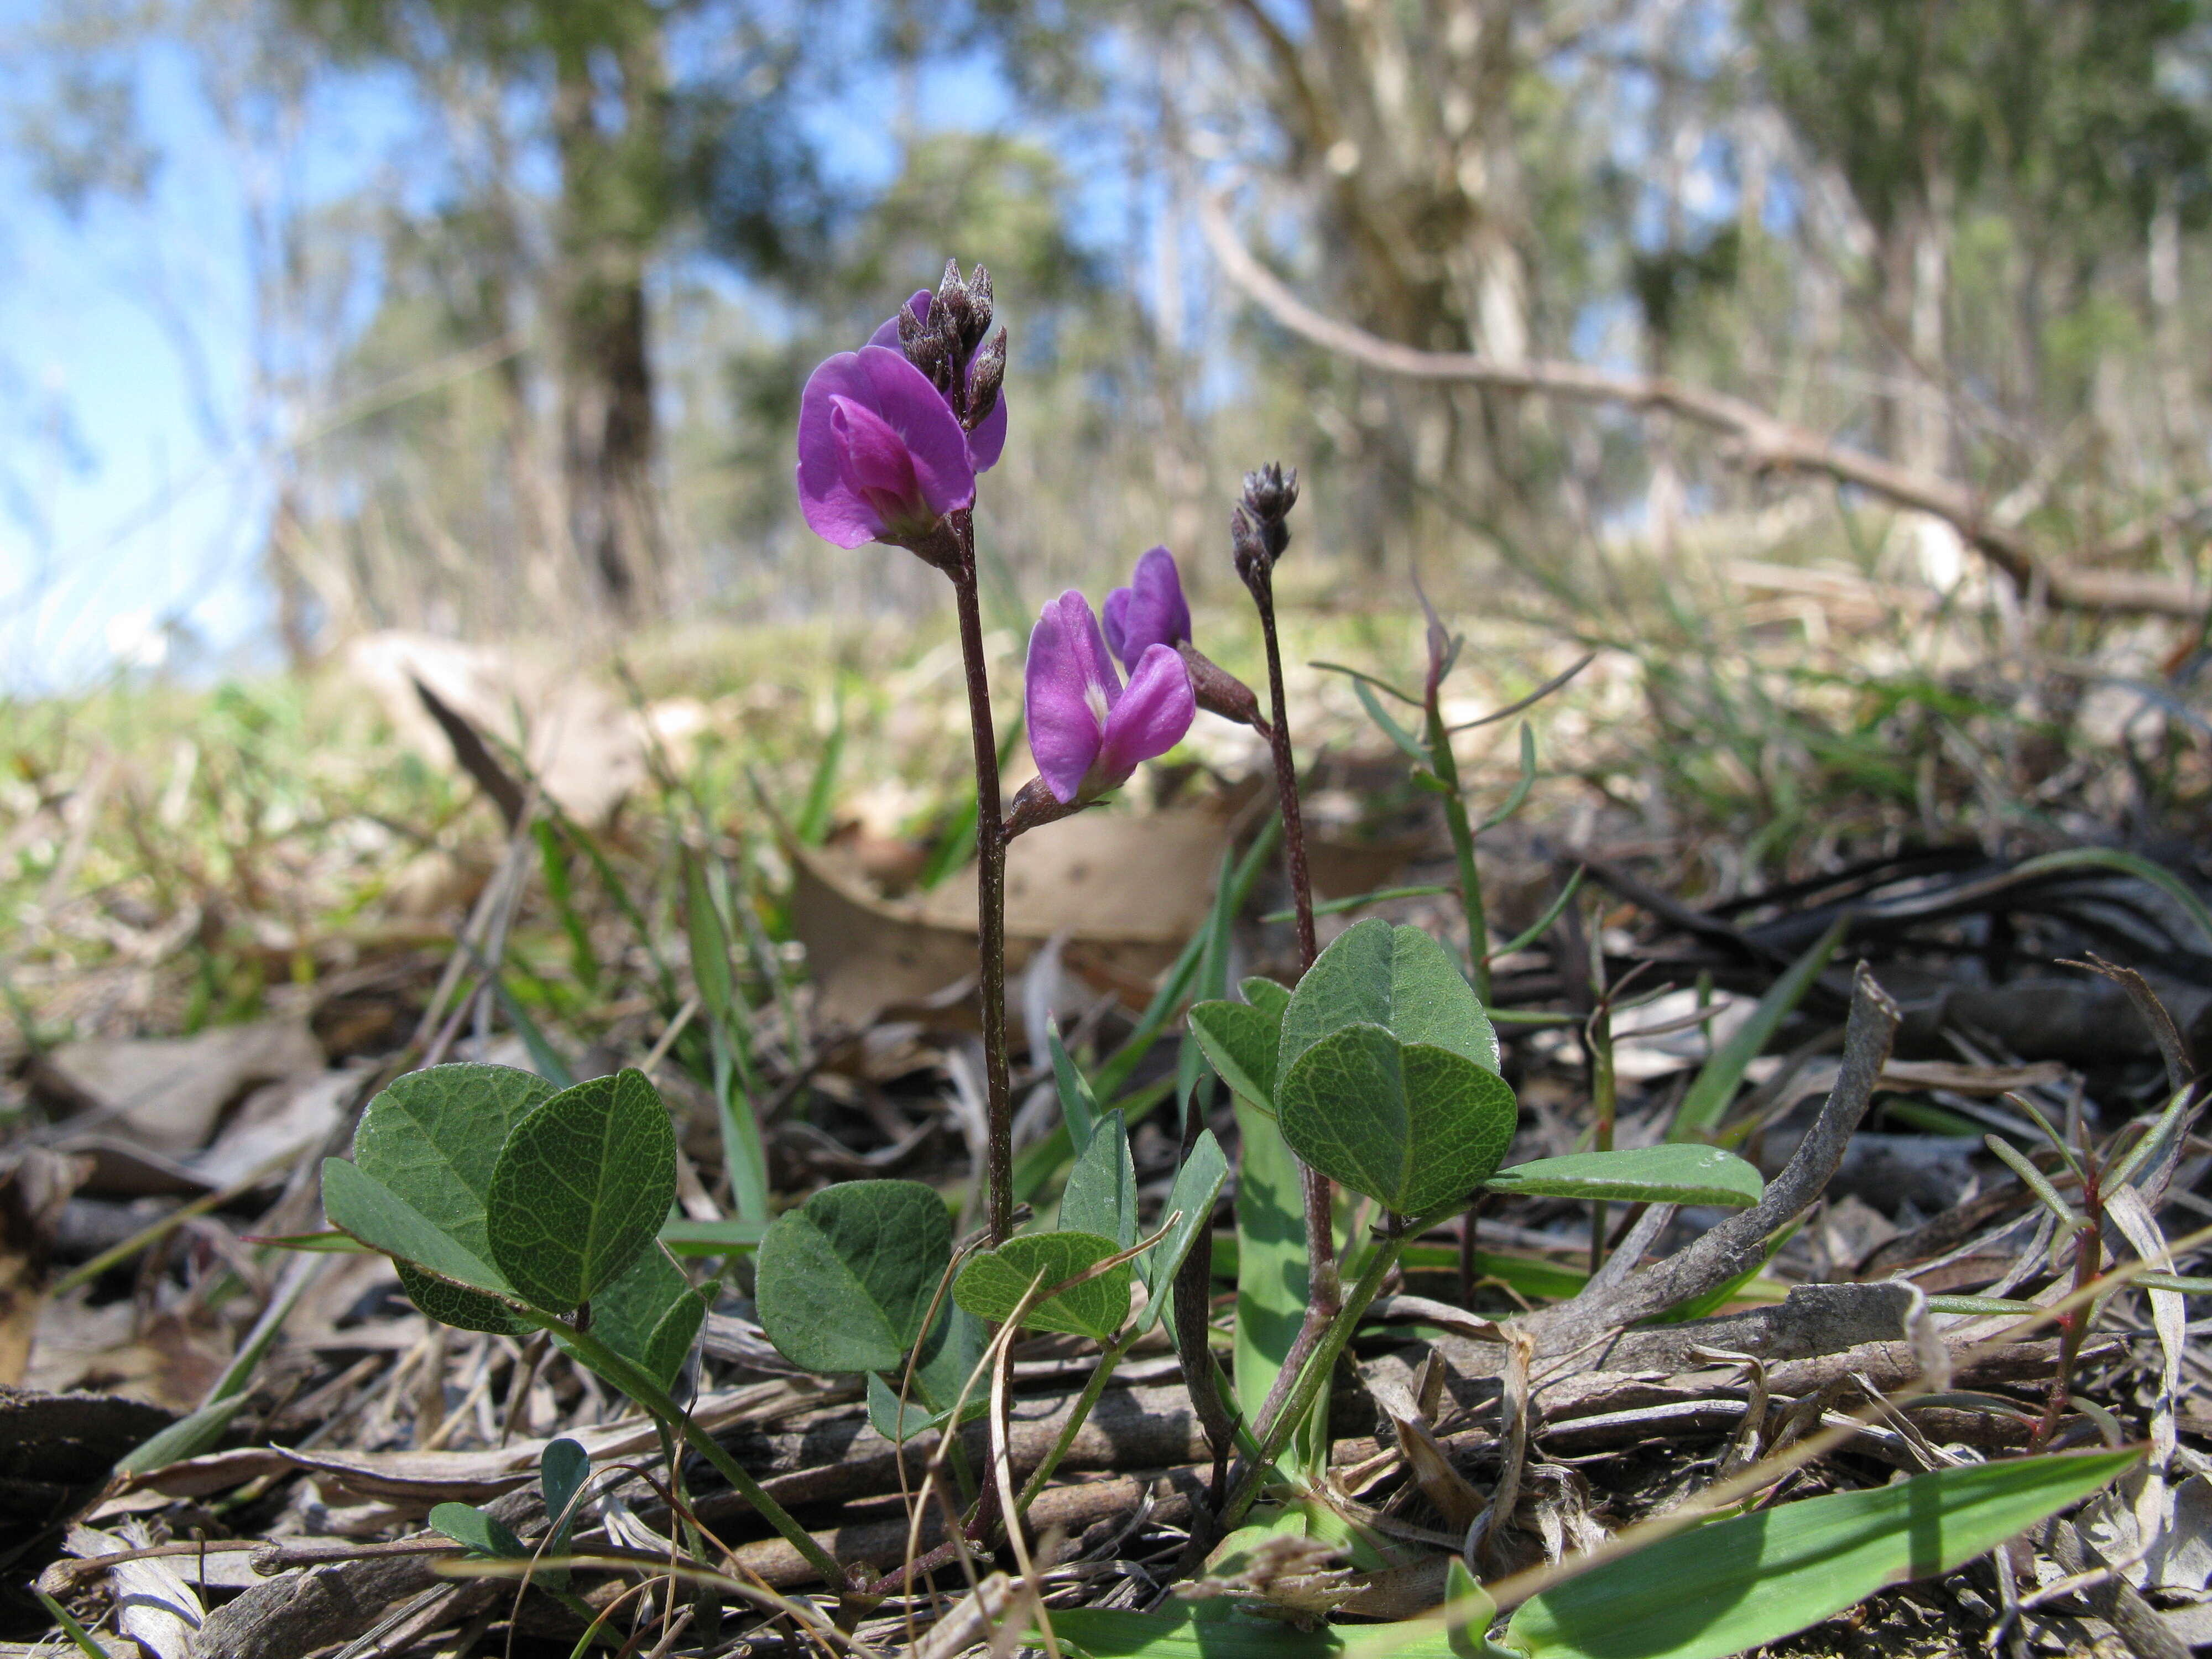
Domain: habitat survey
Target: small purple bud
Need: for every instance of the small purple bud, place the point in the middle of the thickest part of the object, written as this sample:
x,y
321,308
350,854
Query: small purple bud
x,y
986,373
1086,732
1250,552
979,302
987,439
1152,610
1269,495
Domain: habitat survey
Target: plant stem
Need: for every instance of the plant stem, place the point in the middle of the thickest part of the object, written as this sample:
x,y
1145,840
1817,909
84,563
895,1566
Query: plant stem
x,y
1084,1402
1313,1377
2073,1324
990,892
1604,1098
1442,763
1323,1290
634,1381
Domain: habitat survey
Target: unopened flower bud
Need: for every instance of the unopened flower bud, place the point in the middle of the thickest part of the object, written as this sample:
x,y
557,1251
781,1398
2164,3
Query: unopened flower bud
x,y
955,308
979,303
923,345
986,373
1250,552
1269,495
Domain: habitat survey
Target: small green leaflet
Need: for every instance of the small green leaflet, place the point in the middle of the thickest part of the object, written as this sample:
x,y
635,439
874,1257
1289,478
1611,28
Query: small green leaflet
x,y
580,1189
1677,1174
1101,1197
845,1279
1239,1041
1412,1126
359,1204
1398,978
1197,1185
432,1138
649,1313
484,1534
993,1284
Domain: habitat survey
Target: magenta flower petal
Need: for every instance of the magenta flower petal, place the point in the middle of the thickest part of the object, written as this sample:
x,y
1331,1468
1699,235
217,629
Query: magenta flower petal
x,y
880,456
1117,623
923,422
1152,610
989,438
1072,689
1149,718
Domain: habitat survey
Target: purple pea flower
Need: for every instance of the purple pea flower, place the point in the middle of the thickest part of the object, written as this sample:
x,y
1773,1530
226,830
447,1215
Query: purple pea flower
x,y
881,455
1086,731
1150,610
989,437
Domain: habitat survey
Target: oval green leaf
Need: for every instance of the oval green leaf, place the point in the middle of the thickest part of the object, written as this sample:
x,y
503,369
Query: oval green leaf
x,y
650,1313
1677,1174
1732,1585
580,1189
1398,978
991,1285
1101,1195
1412,1126
358,1203
432,1138
1197,1184
845,1279
1240,1040
484,1534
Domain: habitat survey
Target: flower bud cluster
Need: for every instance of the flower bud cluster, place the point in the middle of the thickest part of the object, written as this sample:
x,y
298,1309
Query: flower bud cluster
x,y
947,336
1258,525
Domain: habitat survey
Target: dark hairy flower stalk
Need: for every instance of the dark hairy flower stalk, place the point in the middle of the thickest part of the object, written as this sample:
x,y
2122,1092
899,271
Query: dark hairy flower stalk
x,y
1258,532
890,440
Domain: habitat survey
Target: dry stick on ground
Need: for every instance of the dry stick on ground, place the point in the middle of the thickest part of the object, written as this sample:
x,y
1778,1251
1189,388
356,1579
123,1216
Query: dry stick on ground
x,y
1738,1245
1758,440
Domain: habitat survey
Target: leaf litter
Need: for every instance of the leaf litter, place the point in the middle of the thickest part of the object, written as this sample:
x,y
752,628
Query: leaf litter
x,y
363,1416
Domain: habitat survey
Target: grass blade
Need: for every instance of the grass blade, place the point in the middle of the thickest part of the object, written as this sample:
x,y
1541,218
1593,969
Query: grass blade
x,y
1716,1085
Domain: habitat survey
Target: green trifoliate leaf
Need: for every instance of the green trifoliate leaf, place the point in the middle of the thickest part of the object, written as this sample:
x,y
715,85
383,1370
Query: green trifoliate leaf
x,y
1398,978
1101,1197
845,1280
580,1187
991,1285
1412,1126
1677,1174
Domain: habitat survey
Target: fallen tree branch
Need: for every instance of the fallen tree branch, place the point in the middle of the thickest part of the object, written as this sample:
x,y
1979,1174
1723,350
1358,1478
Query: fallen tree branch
x,y
1738,1245
1757,442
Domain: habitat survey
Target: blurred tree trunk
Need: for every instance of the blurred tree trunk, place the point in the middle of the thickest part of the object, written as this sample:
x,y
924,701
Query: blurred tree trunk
x,y
610,146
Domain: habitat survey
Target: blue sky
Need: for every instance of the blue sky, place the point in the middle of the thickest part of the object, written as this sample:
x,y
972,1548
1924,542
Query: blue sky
x,y
132,501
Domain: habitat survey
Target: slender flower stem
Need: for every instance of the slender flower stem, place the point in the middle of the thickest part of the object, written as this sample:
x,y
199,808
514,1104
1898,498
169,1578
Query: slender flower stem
x,y
1263,584
1604,1101
1446,767
2073,1324
1324,1291
990,892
